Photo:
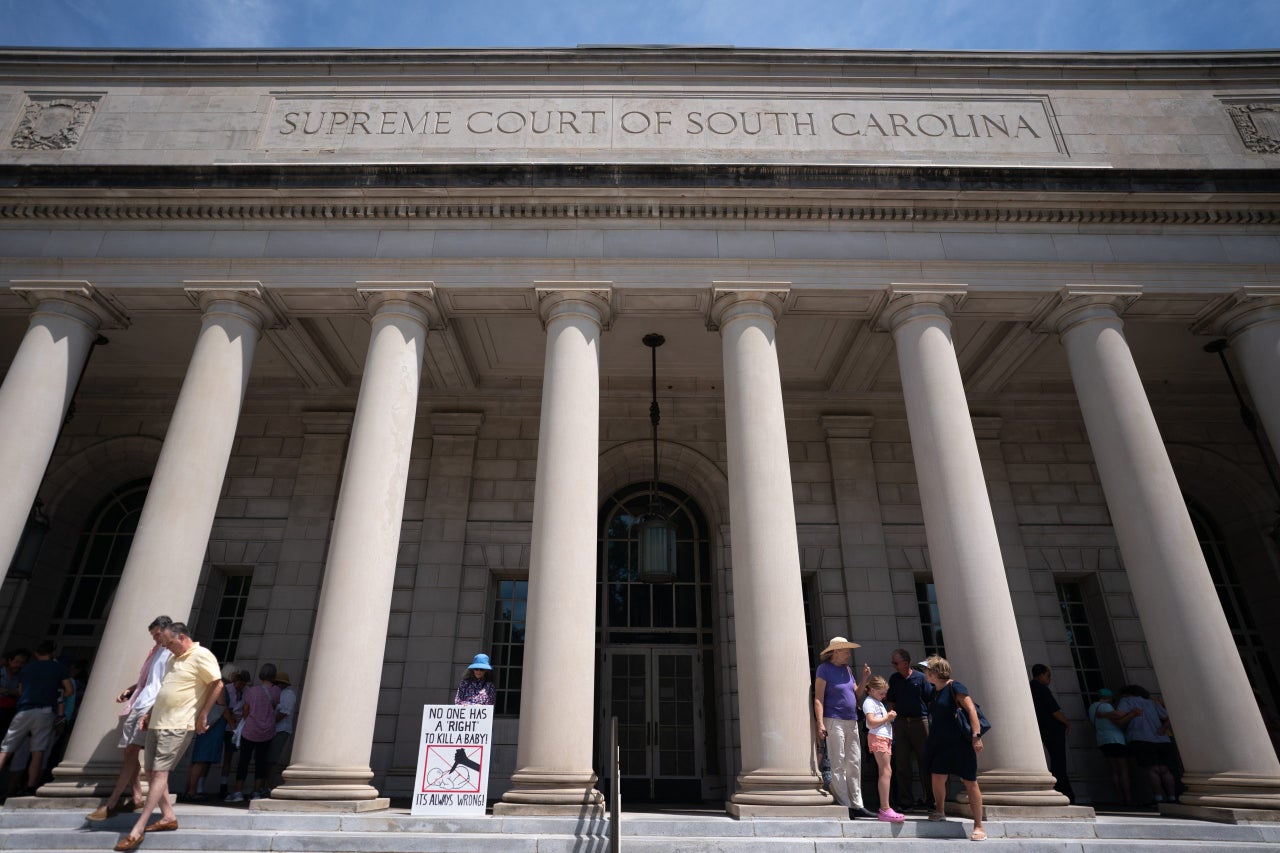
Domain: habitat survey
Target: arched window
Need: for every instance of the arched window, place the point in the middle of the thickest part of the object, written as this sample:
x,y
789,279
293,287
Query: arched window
x,y
86,596
1235,603
632,611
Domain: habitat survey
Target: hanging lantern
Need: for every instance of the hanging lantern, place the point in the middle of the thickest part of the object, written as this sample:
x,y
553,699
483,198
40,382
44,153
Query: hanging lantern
x,y
657,532
28,550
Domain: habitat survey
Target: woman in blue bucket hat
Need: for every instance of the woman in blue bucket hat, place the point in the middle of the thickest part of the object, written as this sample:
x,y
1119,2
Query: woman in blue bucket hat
x,y
477,687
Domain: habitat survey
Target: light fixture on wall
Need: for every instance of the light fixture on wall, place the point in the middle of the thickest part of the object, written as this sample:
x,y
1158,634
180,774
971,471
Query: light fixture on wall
x,y
1220,347
28,550
657,532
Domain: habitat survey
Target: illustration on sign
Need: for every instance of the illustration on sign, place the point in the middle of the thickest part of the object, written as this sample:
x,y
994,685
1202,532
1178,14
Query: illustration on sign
x,y
453,759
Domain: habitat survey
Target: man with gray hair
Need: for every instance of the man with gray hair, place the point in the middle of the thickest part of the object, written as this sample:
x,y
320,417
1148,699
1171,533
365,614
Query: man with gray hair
x,y
909,695
191,686
137,700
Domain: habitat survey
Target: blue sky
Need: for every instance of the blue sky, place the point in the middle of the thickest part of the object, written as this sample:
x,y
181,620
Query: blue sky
x,y
888,24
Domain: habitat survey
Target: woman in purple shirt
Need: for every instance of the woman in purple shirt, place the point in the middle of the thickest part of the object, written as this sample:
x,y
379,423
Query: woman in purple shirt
x,y
836,695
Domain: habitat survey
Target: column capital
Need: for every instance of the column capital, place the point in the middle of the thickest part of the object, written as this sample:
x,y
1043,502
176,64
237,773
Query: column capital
x,y
1243,308
1083,303
730,299
244,300
413,299
589,299
848,426
907,302
79,300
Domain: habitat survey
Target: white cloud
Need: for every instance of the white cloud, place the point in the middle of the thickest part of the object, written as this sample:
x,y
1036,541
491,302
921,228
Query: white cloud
x,y
231,23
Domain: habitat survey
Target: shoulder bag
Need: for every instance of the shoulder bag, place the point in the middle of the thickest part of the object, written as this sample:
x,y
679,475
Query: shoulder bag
x,y
962,717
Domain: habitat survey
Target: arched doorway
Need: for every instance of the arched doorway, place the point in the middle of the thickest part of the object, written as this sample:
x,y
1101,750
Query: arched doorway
x,y
655,642
80,614
1235,602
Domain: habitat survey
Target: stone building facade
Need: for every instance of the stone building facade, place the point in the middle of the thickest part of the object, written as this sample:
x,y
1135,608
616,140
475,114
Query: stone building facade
x,y
373,395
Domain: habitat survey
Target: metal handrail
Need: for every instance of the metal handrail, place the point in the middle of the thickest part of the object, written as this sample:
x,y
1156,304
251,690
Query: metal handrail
x,y
615,790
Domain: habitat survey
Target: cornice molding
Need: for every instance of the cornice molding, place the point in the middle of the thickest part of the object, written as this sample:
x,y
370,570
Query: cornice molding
x,y
204,211
674,62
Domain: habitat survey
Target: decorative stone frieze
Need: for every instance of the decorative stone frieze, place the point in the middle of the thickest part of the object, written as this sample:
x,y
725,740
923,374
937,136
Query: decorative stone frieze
x,y
395,211
53,123
1259,125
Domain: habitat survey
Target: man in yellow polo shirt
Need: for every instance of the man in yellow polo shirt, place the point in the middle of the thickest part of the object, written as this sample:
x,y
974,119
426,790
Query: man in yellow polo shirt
x,y
192,682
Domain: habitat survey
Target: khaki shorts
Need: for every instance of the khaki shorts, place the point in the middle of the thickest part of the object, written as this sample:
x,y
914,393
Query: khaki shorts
x,y
165,748
37,722
131,731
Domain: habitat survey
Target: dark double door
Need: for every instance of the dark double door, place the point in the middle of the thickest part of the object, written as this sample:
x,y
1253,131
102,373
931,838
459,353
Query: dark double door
x,y
656,694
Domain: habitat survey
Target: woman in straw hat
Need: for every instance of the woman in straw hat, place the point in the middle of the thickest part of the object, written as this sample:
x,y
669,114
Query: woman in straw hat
x,y
836,696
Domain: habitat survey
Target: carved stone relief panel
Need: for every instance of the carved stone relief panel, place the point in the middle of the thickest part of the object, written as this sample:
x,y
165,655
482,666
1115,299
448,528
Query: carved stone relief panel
x,y
1259,125
52,123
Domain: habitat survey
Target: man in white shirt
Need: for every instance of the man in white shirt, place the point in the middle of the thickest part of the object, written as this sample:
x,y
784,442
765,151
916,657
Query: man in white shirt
x,y
137,700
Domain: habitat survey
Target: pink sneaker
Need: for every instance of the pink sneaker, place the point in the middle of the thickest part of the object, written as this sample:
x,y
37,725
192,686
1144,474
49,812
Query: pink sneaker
x,y
890,816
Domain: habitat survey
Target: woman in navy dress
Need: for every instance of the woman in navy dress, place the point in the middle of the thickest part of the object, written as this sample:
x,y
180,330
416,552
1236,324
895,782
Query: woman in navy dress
x,y
949,749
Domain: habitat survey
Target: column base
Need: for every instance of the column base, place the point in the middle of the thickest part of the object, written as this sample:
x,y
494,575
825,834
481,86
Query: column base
x,y
314,783
1220,815
573,791
746,812
1029,789
93,779
271,804
1236,791
791,790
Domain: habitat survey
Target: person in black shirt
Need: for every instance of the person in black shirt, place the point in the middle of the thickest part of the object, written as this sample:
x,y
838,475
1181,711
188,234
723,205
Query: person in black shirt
x,y
909,694
44,683
1053,728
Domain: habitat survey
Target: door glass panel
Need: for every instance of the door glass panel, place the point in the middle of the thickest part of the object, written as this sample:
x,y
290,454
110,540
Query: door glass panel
x,y
628,690
675,715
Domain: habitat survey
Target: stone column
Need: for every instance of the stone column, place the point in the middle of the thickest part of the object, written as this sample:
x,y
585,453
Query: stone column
x,y
163,568
779,774
446,623
868,589
1224,745
344,674
1028,603
37,391
553,756
1254,332
964,551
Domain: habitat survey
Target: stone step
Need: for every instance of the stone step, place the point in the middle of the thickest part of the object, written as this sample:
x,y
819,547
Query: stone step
x,y
357,842
238,830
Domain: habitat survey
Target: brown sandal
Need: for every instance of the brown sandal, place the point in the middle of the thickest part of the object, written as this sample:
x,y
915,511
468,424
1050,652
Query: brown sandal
x,y
129,842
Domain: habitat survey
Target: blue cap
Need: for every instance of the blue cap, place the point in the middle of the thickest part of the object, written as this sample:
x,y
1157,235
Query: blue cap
x,y
480,662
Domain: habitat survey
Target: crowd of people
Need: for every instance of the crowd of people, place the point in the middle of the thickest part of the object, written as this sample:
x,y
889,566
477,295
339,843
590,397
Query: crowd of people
x,y
181,699
922,722
948,748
